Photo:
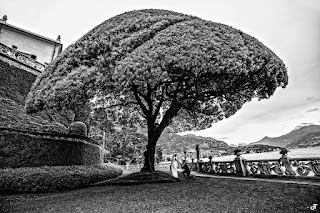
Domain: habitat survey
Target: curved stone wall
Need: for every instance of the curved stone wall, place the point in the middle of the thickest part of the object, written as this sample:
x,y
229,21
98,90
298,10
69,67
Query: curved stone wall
x,y
25,149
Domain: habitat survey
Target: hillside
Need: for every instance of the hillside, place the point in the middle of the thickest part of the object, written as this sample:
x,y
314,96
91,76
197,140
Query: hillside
x,y
300,137
176,143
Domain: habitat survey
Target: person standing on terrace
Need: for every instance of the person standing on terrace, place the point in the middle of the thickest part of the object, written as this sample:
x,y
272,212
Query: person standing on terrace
x,y
174,166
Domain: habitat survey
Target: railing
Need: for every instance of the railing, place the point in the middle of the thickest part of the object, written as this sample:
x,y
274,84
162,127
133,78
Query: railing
x,y
162,165
16,55
291,167
303,167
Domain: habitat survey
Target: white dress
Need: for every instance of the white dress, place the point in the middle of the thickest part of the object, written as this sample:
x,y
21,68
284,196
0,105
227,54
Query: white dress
x,y
174,165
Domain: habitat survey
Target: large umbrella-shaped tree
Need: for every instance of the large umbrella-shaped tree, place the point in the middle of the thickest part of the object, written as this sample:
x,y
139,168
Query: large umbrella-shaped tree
x,y
159,68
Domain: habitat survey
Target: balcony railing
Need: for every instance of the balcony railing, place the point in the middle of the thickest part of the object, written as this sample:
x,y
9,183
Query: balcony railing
x,y
22,58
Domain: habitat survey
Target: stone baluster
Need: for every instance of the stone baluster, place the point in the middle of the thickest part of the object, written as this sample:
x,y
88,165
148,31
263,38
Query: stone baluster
x,y
240,164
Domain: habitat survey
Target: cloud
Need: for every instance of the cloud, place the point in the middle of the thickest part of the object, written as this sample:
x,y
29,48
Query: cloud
x,y
306,123
312,110
310,98
293,117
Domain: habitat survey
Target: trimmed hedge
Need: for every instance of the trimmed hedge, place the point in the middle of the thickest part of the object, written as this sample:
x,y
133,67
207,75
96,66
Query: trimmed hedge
x,y
13,115
27,140
78,128
25,149
54,178
15,83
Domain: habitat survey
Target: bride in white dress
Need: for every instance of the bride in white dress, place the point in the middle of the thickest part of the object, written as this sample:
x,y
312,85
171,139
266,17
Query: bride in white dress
x,y
174,166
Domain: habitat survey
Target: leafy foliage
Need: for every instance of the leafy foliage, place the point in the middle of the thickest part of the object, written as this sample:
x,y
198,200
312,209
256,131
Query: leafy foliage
x,y
126,144
159,153
208,69
158,68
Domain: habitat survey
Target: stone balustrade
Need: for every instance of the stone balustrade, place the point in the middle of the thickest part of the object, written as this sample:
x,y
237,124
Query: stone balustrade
x,y
303,167
20,57
162,165
284,166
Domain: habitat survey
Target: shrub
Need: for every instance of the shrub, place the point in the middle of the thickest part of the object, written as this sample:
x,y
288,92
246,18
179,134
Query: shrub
x,y
78,128
15,82
13,116
54,178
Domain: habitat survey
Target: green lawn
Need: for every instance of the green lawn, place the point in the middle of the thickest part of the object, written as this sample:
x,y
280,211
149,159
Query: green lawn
x,y
191,195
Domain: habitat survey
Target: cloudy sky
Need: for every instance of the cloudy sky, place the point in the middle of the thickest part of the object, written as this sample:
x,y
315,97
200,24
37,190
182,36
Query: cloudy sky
x,y
291,28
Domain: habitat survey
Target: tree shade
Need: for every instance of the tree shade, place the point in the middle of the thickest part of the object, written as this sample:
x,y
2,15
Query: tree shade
x,y
159,68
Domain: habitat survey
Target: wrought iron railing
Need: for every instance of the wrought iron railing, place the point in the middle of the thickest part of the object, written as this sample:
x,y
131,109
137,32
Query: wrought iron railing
x,y
19,56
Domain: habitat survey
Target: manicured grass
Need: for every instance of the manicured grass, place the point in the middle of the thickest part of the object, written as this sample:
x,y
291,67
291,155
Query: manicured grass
x,y
189,195
137,178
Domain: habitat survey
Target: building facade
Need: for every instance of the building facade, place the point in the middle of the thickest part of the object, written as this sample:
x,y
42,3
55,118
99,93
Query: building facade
x,y
25,49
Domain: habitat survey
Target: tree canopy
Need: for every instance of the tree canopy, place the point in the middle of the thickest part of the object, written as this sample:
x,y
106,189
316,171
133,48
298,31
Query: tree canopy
x,y
160,68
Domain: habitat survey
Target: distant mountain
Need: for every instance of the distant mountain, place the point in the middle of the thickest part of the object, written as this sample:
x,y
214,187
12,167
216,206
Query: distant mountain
x,y
252,148
304,135
176,143
302,125
242,144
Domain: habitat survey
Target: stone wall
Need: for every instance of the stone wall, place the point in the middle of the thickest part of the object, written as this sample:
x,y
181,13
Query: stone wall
x,y
25,149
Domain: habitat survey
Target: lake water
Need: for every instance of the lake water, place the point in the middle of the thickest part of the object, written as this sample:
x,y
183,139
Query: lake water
x,y
309,152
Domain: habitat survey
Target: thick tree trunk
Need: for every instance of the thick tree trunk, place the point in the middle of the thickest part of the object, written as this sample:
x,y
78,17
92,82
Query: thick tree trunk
x,y
149,154
149,159
154,133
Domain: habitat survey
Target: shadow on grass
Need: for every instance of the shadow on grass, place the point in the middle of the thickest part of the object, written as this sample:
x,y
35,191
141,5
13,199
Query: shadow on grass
x,y
144,177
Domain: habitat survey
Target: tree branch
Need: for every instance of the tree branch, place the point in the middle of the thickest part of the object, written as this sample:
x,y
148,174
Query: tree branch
x,y
158,107
142,106
120,104
149,100
169,114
